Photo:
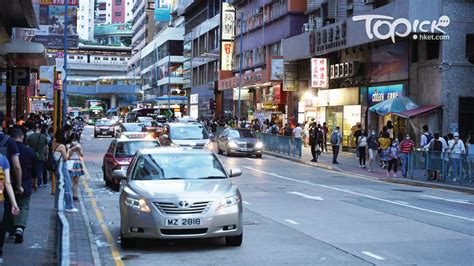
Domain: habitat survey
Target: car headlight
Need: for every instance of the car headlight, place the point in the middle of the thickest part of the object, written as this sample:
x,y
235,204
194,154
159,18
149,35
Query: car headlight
x,y
259,145
137,204
111,129
232,144
97,129
227,202
209,145
149,136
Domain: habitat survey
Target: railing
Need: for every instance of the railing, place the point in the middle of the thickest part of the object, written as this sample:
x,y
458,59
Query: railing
x,y
284,145
62,252
441,166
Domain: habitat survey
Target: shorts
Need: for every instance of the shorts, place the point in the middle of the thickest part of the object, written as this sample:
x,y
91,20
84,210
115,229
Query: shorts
x,y
372,154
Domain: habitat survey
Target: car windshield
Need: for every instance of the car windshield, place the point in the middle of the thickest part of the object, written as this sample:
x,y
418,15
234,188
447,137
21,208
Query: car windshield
x,y
103,123
189,132
178,166
129,148
235,134
133,127
150,123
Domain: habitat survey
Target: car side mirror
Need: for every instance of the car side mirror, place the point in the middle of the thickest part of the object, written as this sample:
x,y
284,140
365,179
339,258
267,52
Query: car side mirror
x,y
119,174
234,172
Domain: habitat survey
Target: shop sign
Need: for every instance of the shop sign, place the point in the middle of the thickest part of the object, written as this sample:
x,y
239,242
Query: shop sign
x,y
267,105
379,94
194,99
329,38
228,21
289,78
319,73
277,69
227,54
343,70
20,76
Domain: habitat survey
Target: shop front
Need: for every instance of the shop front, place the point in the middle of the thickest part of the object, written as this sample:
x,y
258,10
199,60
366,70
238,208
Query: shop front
x,y
337,107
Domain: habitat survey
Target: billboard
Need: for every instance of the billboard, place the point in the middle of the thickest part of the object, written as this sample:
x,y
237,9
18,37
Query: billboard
x,y
390,62
52,25
379,94
162,10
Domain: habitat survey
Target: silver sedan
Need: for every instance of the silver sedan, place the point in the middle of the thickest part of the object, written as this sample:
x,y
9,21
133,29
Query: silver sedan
x,y
179,193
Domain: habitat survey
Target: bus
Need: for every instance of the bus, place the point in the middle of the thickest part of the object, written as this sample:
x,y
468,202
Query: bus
x,y
95,110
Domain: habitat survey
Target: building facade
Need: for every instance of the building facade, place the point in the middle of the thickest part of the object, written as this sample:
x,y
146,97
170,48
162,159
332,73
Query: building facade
x,y
85,20
260,27
363,70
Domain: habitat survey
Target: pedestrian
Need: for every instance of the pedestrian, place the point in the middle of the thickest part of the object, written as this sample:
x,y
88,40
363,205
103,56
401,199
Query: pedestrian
x,y
336,140
5,184
313,141
325,136
373,147
75,165
298,135
393,153
39,143
384,142
362,144
287,131
389,127
9,149
27,162
470,156
306,133
320,138
61,155
456,149
356,133
426,137
406,149
436,147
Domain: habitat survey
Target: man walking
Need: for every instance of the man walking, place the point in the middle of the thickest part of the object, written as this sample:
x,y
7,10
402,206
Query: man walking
x,y
313,141
298,135
27,158
406,148
325,136
39,143
336,140
373,146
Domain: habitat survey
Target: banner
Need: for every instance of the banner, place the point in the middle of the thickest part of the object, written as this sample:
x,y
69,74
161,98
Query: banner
x,y
319,73
59,2
228,21
52,25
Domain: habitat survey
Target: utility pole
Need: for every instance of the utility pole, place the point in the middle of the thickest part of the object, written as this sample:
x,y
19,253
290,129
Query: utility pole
x,y
65,100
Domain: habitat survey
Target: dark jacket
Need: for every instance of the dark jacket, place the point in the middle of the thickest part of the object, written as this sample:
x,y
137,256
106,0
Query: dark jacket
x,y
27,159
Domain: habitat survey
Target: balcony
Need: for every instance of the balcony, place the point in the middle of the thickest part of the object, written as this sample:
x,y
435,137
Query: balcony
x,y
313,5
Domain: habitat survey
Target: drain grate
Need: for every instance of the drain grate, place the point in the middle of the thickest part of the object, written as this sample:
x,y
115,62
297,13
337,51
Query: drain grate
x,y
408,190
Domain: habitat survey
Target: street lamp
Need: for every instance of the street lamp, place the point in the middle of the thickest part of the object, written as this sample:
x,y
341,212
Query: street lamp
x,y
65,100
241,59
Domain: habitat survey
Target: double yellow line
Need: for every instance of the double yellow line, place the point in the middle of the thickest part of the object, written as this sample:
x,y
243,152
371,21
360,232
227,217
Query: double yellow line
x,y
110,239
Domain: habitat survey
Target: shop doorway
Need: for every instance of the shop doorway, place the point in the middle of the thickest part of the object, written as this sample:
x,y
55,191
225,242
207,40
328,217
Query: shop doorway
x,y
466,112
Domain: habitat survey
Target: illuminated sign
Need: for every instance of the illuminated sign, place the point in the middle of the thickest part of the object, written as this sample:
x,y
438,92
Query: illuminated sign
x,y
227,54
379,94
319,73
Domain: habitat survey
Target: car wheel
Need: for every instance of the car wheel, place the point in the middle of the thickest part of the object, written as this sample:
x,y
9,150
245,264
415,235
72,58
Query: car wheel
x,y
234,241
259,156
95,135
126,242
115,186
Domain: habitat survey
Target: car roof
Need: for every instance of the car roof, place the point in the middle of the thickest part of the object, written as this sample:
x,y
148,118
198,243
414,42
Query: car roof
x,y
182,150
134,140
181,124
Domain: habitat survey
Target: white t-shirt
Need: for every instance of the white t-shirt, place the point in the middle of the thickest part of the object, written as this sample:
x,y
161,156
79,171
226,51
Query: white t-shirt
x,y
297,132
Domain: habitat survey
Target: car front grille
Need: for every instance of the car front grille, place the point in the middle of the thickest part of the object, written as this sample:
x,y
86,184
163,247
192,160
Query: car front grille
x,y
246,145
195,208
184,231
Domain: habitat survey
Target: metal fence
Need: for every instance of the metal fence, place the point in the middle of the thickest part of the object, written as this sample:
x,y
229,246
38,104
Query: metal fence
x,y
62,252
458,168
284,145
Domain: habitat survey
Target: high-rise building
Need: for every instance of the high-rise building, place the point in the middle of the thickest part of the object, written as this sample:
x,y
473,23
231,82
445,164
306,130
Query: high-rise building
x,y
103,12
85,20
121,11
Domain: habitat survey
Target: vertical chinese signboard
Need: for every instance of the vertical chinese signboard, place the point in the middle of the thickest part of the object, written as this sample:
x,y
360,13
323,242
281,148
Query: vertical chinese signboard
x,y
319,73
227,36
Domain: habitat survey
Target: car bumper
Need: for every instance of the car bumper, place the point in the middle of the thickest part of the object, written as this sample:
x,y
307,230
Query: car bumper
x,y
245,151
152,225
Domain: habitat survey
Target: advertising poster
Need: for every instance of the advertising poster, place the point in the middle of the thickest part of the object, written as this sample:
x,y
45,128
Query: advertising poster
x,y
379,94
390,62
52,27
162,10
277,69
289,79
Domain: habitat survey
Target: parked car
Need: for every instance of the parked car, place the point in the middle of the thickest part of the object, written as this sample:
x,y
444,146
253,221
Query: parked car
x,y
185,134
239,141
165,200
132,131
104,127
120,154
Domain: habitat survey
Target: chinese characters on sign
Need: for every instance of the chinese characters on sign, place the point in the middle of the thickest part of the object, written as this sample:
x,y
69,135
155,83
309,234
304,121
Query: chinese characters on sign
x,y
59,2
227,54
319,73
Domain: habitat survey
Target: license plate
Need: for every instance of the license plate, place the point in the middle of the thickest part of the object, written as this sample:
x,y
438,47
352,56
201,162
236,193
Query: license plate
x,y
245,149
184,222
104,132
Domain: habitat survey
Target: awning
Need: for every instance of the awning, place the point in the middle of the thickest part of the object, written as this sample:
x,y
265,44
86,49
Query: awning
x,y
24,54
418,111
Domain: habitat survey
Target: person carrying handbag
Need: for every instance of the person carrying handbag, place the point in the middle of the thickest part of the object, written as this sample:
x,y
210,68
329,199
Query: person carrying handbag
x,y
75,165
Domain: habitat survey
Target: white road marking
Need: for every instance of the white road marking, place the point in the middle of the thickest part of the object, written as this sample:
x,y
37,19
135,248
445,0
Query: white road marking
x,y
291,221
402,202
364,195
305,196
370,254
246,202
250,159
450,200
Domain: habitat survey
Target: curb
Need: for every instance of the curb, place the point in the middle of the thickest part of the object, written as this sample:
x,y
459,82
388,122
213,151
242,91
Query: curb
x,y
401,181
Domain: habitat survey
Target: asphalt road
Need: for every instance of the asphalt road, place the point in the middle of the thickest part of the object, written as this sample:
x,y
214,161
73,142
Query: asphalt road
x,y
299,215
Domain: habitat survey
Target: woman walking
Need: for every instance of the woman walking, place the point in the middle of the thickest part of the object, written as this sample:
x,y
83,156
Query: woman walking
x,y
61,155
362,148
384,142
392,155
75,168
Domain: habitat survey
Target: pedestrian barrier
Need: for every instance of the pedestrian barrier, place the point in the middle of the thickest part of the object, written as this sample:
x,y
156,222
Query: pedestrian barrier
x,y
441,166
62,252
284,145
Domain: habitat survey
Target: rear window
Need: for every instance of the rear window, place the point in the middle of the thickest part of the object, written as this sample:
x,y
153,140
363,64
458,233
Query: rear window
x,y
103,123
241,134
129,148
191,132
133,127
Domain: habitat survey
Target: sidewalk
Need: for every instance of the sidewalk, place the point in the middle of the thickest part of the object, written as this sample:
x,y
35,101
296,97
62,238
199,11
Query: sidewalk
x,y
349,163
40,238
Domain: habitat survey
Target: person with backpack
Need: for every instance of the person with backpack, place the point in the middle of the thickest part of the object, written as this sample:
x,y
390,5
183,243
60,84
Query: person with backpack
x,y
9,149
426,137
335,140
362,144
436,147
456,149
5,185
373,147
392,155
39,143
